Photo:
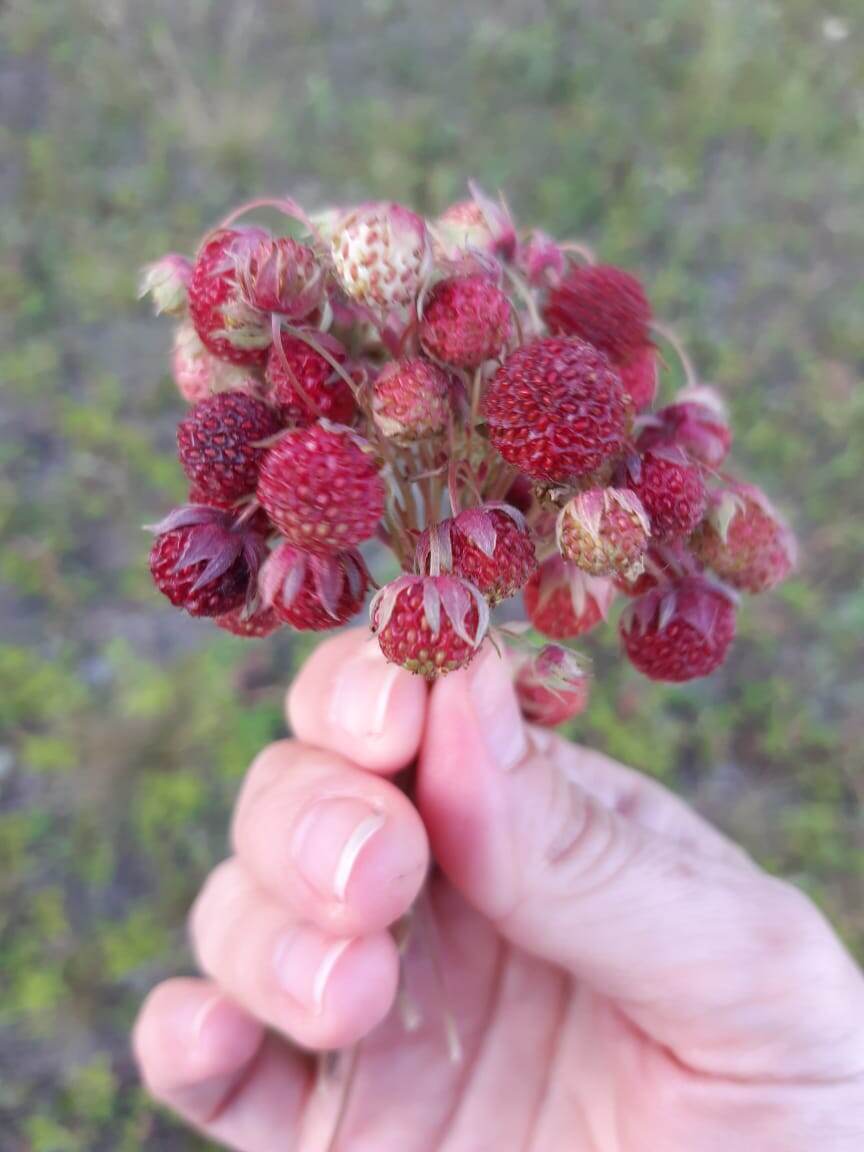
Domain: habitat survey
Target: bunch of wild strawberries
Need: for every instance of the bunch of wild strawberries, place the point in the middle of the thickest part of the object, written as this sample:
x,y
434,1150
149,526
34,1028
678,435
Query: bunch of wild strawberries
x,y
474,398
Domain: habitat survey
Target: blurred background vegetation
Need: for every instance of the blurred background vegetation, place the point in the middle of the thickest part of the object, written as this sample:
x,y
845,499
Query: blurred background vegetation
x,y
714,147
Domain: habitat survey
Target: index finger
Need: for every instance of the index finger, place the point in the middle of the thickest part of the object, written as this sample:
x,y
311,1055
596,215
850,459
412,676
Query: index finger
x,y
348,699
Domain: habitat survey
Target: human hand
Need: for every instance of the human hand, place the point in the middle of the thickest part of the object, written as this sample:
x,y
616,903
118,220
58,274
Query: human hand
x,y
624,979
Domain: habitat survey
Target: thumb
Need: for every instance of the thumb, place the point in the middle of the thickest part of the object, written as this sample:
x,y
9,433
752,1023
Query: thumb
x,y
603,872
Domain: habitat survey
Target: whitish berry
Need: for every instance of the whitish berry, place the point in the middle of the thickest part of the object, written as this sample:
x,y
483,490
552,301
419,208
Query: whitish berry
x,y
166,282
382,254
604,531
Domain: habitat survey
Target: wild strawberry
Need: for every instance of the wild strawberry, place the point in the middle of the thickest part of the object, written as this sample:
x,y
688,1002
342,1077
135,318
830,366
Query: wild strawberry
x,y
191,365
480,225
220,443
639,377
489,546
429,624
744,540
279,274
562,601
198,374
540,258
697,423
605,306
555,409
679,631
465,322
671,490
313,592
321,488
166,282
253,625
604,531
551,686
411,401
382,254
305,385
227,324
204,562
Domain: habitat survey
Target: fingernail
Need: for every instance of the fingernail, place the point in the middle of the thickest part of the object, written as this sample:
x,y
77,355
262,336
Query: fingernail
x,y
204,1014
361,694
329,840
497,710
304,967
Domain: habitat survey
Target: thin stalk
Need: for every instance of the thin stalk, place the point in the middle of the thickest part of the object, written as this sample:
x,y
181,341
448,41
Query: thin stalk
x,y
672,339
526,297
577,249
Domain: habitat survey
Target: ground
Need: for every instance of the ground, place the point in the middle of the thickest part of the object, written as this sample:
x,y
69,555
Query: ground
x,y
715,148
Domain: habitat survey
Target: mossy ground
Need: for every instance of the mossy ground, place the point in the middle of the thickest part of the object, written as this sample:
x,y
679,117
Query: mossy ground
x,y
715,148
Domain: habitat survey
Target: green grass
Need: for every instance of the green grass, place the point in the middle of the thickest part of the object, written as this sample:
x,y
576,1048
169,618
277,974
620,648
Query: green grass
x,y
716,148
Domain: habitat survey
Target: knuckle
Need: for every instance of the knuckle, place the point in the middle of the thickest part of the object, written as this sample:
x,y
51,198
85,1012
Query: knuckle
x,y
585,850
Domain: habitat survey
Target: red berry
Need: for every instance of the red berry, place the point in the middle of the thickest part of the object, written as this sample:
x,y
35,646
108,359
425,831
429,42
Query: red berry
x,y
639,377
203,562
672,492
324,391
261,622
430,625
605,306
220,443
312,592
411,401
697,424
489,546
604,531
555,410
226,323
679,631
744,540
466,321
321,488
551,686
562,601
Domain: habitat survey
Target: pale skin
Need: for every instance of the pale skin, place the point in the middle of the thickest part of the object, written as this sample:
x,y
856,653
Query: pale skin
x,y
623,977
